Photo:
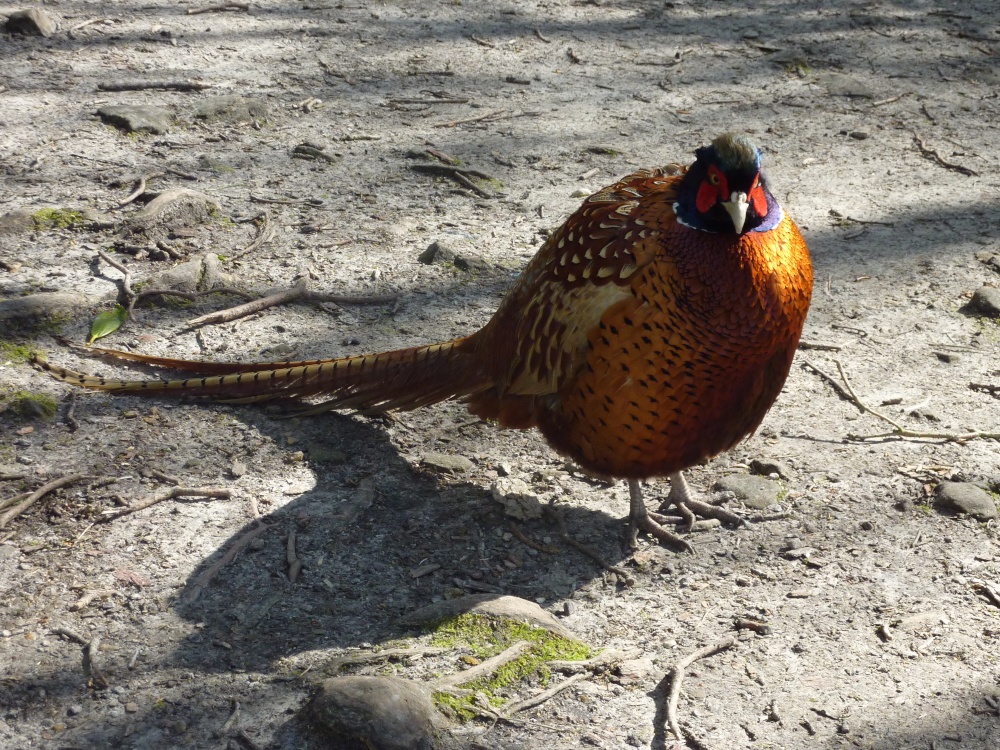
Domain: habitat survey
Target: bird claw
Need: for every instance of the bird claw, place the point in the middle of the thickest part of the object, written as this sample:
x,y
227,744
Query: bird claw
x,y
646,523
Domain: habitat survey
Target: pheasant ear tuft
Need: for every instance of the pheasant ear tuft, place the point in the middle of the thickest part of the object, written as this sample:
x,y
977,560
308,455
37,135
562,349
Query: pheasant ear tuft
x,y
737,152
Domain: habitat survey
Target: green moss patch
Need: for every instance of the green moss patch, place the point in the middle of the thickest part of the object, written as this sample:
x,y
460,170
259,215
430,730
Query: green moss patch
x,y
57,218
16,353
29,405
485,636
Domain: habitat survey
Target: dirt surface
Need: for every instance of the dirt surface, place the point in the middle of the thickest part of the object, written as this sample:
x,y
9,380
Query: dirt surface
x,y
880,635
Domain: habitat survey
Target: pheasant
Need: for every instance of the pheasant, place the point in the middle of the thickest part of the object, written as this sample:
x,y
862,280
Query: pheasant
x,y
652,331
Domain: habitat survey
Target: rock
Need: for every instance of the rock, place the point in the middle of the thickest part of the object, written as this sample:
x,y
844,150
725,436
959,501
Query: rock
x,y
754,492
986,301
439,252
178,206
380,713
841,84
138,118
635,670
232,109
32,22
449,464
45,305
766,467
517,499
199,274
510,607
965,497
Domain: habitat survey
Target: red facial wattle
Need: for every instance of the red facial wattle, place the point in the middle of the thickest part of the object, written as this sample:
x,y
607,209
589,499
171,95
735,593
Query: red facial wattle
x,y
711,189
757,199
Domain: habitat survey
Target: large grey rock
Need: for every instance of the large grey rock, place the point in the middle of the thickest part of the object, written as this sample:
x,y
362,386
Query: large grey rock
x,y
174,207
446,463
380,713
986,301
965,497
752,491
510,607
44,305
198,274
233,109
139,118
33,22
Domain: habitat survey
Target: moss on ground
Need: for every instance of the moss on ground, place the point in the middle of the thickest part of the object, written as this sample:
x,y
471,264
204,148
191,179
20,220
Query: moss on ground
x,y
486,636
28,405
57,218
16,353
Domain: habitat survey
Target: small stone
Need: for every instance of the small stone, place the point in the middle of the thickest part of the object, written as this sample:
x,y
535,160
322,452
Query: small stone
x,y
965,497
867,525
383,713
137,118
237,470
841,84
986,301
859,135
517,499
752,491
448,464
800,593
766,467
74,710
131,707
233,109
32,22
948,357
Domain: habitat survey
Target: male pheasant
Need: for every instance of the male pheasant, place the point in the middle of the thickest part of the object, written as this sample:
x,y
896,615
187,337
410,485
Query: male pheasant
x,y
652,331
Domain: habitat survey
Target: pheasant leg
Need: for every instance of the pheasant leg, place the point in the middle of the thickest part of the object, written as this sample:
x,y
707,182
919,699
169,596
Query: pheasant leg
x,y
690,507
639,519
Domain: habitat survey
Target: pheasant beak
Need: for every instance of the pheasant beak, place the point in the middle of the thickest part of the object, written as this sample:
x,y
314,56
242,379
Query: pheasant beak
x,y
736,207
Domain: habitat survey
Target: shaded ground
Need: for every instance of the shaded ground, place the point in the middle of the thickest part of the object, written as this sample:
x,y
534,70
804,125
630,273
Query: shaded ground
x,y
576,95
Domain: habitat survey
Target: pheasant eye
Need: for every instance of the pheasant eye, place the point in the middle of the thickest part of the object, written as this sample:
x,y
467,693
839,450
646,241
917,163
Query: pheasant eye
x,y
713,177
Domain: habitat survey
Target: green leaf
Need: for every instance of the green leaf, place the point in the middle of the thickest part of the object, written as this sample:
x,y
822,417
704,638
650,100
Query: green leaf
x,y
107,322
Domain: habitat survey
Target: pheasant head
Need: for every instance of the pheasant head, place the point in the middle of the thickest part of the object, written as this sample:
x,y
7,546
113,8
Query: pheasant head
x,y
725,190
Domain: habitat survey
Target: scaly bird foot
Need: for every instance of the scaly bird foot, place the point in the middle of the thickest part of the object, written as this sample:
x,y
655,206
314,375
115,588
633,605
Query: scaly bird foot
x,y
639,519
682,498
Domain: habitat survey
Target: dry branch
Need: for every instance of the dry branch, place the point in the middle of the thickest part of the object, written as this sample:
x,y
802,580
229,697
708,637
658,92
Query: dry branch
x,y
677,676
41,492
111,515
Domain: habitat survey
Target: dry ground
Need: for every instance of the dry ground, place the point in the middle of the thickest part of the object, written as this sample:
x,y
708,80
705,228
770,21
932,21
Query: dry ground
x,y
576,94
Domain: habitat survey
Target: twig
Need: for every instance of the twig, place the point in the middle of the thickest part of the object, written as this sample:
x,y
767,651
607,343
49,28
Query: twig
x,y
130,295
890,100
586,550
537,700
460,176
41,492
219,8
68,632
933,155
497,114
299,291
265,233
13,500
539,34
97,678
988,591
248,740
233,717
898,431
209,573
485,667
336,664
140,188
147,293
70,419
294,563
158,85
527,540
818,347
88,597
482,42
677,676
89,22
111,515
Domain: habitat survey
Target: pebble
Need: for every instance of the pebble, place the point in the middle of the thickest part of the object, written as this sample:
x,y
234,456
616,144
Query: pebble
x,y
965,497
986,301
448,464
74,710
752,491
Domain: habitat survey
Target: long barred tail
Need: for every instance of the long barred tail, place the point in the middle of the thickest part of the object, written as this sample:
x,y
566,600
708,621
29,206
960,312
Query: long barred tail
x,y
401,379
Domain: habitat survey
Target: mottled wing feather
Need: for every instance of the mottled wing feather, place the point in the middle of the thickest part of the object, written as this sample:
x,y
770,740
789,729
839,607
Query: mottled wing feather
x,y
538,338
